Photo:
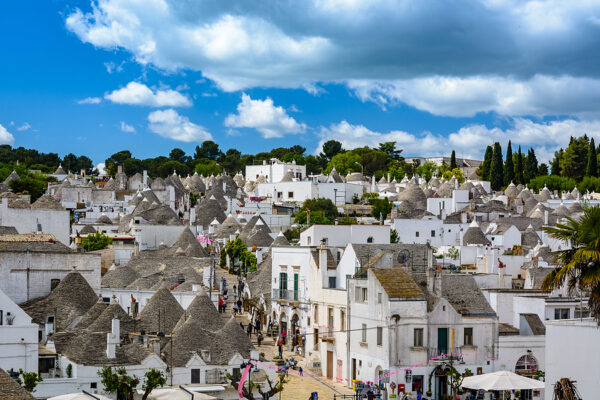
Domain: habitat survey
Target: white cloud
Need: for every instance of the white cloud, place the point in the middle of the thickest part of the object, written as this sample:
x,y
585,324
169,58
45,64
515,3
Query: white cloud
x,y
270,120
470,141
171,125
127,128
139,94
5,136
465,97
90,100
24,127
112,67
101,167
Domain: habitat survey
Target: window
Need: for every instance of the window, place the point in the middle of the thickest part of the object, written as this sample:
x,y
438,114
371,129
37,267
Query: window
x,y
279,195
342,320
316,314
54,283
308,240
332,282
468,336
417,234
195,376
370,239
418,337
364,333
1,317
379,336
316,340
432,233
308,321
526,363
561,313
290,195
379,296
361,295
93,385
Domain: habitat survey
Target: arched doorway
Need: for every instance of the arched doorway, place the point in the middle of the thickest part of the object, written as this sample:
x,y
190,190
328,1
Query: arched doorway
x,y
295,329
283,323
378,375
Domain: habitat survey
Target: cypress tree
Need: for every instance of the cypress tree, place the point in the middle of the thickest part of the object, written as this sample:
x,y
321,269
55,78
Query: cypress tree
x,y
487,163
592,163
519,168
555,167
496,168
453,161
509,167
531,165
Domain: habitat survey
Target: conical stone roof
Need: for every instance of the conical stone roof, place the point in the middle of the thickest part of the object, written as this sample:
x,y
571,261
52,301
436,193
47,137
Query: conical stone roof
x,y
474,236
202,309
259,236
104,321
280,241
188,242
161,313
511,191
229,226
92,314
47,202
415,195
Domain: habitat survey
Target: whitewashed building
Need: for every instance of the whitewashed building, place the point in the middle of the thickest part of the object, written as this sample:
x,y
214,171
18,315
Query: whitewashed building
x,y
18,337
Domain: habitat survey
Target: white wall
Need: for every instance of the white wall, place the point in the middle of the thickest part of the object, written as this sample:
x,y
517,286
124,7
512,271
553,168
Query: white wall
x,y
572,352
55,222
342,235
19,340
43,267
149,237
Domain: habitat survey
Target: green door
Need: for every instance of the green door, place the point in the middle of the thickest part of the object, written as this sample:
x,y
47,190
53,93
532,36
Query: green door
x,y
295,287
282,285
442,341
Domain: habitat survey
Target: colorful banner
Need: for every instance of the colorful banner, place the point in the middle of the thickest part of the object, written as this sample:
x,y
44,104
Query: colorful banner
x,y
243,379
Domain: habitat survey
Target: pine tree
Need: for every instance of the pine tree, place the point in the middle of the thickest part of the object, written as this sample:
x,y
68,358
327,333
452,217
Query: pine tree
x,y
487,163
453,165
509,167
592,163
519,168
531,165
496,168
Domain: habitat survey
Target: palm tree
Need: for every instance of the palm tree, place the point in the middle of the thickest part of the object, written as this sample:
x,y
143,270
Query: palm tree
x,y
579,266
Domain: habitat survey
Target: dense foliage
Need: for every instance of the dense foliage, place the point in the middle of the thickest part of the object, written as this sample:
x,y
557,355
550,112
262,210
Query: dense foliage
x,y
29,380
95,241
117,381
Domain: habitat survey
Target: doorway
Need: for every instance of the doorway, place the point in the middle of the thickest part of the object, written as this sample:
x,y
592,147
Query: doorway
x,y
442,341
329,364
354,369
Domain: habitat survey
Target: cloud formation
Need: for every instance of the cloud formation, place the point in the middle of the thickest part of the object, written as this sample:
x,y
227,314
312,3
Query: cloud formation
x,y
90,100
270,120
5,136
469,141
169,124
387,50
141,95
24,127
126,127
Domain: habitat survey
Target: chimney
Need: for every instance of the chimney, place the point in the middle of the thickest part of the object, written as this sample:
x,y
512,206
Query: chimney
x,y
113,338
463,217
119,169
145,179
545,217
430,277
437,283
322,256
82,172
155,346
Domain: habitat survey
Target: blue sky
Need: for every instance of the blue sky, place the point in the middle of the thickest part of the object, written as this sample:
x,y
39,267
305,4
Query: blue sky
x,y
98,77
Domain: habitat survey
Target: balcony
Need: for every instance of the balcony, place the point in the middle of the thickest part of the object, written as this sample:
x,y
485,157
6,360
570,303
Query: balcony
x,y
443,355
286,295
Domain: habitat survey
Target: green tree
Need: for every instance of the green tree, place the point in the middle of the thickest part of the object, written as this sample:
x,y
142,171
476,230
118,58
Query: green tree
x,y
331,148
578,266
249,386
496,168
380,207
427,169
394,238
456,379
178,155
531,165
116,159
344,163
207,168
95,241
69,163
117,381
322,211
389,148
519,177
592,162
509,167
555,166
453,160
132,166
574,159
542,170
171,166
209,149
487,163
34,185
29,380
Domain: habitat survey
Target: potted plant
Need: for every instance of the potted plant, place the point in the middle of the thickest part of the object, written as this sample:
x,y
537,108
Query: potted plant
x,y
69,371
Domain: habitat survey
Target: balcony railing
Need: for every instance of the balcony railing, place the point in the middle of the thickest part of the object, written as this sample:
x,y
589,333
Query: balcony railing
x,y
285,294
445,354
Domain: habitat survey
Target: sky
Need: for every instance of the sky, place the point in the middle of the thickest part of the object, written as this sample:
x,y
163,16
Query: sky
x,y
97,77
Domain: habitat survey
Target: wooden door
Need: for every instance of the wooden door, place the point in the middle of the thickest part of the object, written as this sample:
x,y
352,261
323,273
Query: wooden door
x,y
330,364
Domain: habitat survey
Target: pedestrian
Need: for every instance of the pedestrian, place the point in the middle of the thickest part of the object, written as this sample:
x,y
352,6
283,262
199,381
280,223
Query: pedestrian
x,y
257,324
249,330
234,292
286,368
283,334
235,309
419,395
280,347
300,371
220,304
225,294
259,338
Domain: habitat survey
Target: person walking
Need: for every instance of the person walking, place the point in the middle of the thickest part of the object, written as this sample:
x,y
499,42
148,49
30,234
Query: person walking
x,y
249,330
239,304
280,347
234,292
220,304
259,338
283,334
300,371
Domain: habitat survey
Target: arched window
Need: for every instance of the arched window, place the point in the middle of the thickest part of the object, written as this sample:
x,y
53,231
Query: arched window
x,y
526,365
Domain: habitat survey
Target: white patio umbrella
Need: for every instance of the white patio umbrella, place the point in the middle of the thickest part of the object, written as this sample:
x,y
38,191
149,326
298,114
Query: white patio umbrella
x,y
178,394
80,396
501,380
